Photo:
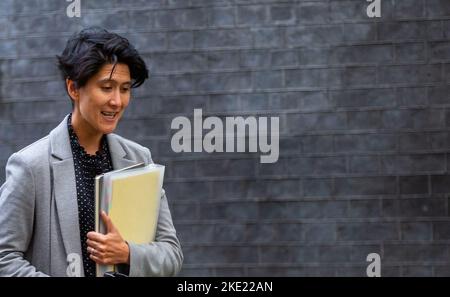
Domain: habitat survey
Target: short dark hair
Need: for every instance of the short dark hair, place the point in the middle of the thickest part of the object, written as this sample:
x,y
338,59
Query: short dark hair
x,y
87,51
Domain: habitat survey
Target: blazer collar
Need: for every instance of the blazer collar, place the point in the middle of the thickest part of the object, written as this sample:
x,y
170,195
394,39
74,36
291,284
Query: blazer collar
x,y
60,141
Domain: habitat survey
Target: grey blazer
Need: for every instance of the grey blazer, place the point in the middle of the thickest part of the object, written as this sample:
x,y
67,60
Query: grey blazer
x,y
39,212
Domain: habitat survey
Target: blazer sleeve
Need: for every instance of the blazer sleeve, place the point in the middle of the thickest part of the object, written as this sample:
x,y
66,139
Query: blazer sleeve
x,y
17,202
162,257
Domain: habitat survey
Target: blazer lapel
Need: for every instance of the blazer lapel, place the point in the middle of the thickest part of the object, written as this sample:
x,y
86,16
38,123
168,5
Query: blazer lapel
x,y
118,154
65,192
67,204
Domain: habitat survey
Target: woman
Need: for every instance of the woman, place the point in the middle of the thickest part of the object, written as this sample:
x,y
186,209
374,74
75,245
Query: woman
x,y
47,200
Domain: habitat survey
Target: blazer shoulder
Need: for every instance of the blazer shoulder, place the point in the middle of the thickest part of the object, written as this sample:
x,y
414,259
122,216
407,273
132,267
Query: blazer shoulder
x,y
35,152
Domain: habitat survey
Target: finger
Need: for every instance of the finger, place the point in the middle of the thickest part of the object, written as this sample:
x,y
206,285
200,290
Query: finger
x,y
100,260
95,245
96,259
90,243
91,250
108,222
96,253
95,236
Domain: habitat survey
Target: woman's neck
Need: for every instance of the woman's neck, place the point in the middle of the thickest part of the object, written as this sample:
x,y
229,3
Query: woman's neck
x,y
88,139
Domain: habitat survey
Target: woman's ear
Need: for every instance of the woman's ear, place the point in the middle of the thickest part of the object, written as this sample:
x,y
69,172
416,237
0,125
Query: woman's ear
x,y
72,89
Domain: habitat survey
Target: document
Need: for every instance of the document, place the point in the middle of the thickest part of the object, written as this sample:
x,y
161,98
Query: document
x,y
131,197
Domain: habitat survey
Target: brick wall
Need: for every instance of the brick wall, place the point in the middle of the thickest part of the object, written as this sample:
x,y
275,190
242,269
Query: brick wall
x,y
364,122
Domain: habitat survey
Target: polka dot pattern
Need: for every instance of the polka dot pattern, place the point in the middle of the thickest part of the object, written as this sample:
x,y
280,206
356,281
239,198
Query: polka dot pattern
x,y
86,168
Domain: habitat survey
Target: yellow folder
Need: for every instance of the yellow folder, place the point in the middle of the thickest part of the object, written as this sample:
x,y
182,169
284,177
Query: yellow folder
x,y
130,196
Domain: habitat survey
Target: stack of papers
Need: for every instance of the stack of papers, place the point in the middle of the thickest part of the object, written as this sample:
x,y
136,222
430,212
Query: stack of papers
x,y
130,196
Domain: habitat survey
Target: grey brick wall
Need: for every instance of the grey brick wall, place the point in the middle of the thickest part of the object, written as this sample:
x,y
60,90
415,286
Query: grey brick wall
x,y
364,121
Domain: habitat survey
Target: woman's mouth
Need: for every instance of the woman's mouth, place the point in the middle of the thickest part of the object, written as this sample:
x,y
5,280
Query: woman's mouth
x,y
110,116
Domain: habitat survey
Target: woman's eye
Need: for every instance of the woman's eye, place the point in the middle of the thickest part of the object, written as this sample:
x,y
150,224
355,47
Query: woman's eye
x,y
125,89
106,88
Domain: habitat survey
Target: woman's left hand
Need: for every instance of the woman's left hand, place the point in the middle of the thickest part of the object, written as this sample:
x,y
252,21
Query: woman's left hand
x,y
109,248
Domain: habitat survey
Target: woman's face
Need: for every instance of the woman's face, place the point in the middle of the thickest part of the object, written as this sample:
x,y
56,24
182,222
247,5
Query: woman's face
x,y
101,102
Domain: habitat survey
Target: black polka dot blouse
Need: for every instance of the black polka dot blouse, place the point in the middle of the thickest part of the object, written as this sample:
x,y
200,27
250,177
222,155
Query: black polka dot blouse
x,y
86,168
